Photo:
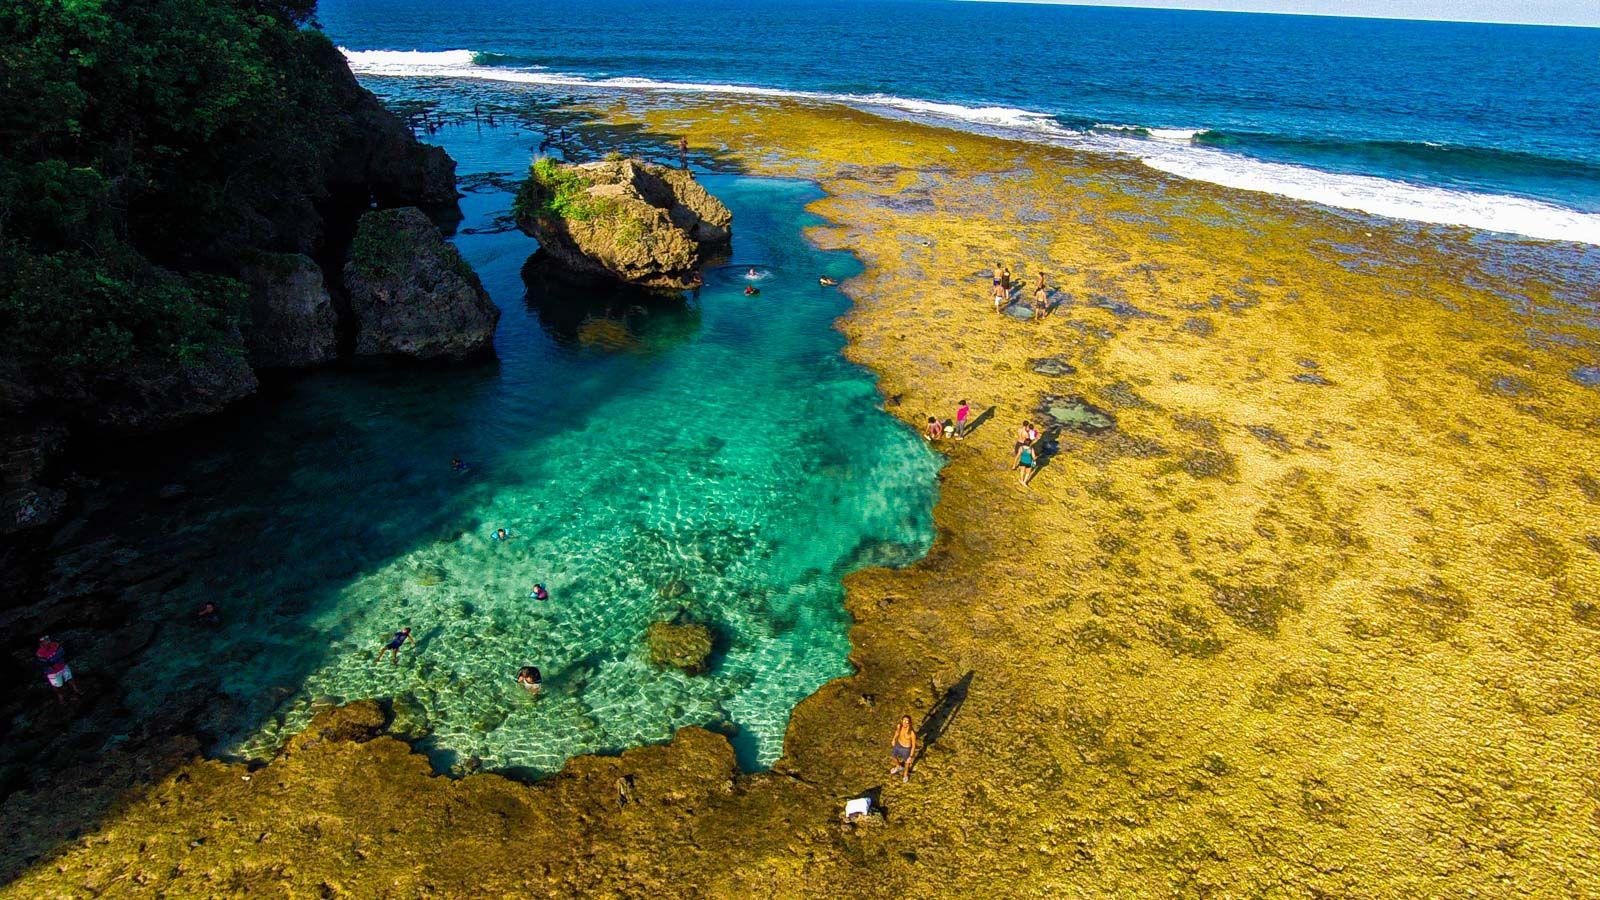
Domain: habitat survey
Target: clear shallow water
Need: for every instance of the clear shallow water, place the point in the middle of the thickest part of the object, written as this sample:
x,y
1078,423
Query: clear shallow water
x,y
1488,126
716,460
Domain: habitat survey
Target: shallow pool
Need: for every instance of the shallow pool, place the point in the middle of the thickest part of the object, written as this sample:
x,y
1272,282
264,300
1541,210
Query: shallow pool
x,y
714,461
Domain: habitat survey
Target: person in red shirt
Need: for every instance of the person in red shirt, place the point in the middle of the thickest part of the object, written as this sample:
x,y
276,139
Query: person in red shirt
x,y
53,658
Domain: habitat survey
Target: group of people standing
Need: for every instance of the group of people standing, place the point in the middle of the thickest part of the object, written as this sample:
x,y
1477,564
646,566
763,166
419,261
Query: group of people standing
x,y
1024,449
1005,285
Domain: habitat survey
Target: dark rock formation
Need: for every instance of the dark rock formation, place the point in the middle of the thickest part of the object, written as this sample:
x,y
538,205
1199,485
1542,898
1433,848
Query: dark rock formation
x,y
621,219
376,155
686,647
412,294
292,319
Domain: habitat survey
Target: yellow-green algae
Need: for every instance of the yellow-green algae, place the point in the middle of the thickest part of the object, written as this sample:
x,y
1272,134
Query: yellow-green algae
x,y
1317,617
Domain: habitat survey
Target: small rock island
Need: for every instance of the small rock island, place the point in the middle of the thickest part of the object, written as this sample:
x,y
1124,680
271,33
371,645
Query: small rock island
x,y
624,220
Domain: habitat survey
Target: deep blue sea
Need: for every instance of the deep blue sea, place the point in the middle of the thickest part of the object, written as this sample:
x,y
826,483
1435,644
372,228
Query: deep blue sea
x,y
1489,126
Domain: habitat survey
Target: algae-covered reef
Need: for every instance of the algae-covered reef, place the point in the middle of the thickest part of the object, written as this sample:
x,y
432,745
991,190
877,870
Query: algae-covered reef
x,y
1305,608
172,173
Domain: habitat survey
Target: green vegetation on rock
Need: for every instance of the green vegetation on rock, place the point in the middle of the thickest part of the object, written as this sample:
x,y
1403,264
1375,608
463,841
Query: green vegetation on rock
x,y
552,192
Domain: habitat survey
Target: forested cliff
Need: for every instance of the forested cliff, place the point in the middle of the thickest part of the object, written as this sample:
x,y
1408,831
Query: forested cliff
x,y
156,156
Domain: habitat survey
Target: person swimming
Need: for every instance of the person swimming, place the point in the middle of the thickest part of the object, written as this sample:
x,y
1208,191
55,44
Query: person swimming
x,y
208,614
538,593
529,677
456,465
752,274
825,281
395,643
752,291
500,534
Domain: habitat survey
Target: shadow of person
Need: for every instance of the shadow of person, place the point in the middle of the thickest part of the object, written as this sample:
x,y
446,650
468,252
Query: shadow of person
x,y
1045,449
938,720
978,420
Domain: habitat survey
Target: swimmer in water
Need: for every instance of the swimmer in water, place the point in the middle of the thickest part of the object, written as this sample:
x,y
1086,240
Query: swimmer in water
x,y
752,274
752,291
395,643
539,593
501,534
825,281
530,678
456,465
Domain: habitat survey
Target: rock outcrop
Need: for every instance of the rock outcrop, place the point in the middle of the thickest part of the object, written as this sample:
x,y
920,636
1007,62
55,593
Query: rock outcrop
x,y
412,294
686,647
622,219
292,319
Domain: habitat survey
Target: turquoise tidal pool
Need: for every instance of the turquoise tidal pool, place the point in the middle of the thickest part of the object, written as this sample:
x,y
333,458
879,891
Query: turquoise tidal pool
x,y
714,461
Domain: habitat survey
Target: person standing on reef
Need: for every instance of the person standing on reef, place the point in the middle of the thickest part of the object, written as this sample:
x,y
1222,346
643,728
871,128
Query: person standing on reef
x,y
683,152
962,412
903,748
1001,298
395,643
1025,436
53,658
1028,461
1005,280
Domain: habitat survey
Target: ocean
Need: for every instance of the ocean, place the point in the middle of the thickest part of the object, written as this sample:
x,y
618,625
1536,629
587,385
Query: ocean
x,y
1486,126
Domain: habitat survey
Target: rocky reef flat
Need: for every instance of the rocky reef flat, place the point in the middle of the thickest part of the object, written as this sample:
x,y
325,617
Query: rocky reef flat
x,y
1302,602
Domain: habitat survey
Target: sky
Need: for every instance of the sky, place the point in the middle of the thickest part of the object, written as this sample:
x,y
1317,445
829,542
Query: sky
x,y
1541,12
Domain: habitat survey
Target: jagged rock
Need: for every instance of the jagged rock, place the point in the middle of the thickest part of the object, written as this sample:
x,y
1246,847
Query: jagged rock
x,y
622,219
292,319
686,647
412,294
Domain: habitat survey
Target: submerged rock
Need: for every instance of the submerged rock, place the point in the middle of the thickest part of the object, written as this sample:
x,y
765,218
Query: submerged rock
x,y
412,294
686,647
292,319
623,219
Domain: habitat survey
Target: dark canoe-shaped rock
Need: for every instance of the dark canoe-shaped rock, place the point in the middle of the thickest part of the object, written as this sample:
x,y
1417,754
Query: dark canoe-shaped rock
x,y
623,220
1052,366
412,294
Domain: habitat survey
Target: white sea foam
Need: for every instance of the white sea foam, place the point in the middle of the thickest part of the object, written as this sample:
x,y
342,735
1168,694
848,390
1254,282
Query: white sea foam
x,y
1175,135
1169,150
404,62
1382,196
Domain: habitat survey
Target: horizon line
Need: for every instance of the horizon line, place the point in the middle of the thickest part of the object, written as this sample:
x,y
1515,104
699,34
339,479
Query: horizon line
x,y
1222,7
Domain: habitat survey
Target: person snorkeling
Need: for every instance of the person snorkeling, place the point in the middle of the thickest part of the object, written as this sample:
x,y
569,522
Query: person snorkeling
x,y
825,281
500,534
752,291
539,593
